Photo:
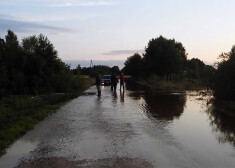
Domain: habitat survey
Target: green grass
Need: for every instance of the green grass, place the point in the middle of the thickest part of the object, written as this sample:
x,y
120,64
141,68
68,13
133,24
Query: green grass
x,y
155,83
19,113
179,85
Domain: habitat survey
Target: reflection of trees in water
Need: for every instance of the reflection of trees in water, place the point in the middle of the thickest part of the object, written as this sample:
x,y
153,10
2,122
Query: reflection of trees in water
x,y
164,106
158,105
131,84
160,108
222,123
136,95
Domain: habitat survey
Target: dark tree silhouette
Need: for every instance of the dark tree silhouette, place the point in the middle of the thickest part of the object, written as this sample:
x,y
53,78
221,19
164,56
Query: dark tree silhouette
x,y
164,57
102,69
134,65
115,70
77,70
158,105
224,78
31,67
194,68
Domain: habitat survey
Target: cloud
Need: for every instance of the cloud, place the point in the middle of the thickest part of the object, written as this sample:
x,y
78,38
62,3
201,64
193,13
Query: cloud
x,y
14,24
83,4
122,52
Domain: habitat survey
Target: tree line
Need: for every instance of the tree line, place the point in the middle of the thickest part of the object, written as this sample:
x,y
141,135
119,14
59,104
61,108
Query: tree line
x,y
91,71
167,59
32,67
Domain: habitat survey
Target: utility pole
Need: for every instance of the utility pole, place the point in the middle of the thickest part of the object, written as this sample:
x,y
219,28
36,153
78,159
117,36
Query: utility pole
x,y
91,66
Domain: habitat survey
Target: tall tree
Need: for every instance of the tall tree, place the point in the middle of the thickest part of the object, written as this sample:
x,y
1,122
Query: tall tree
x,y
164,57
14,63
134,65
3,70
224,79
195,68
45,71
115,70
31,67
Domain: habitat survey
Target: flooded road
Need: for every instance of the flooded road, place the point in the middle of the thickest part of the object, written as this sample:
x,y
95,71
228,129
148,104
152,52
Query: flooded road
x,y
132,129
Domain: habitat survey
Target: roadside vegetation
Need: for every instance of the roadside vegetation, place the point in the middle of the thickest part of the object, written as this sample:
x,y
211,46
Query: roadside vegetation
x,y
34,82
225,76
164,66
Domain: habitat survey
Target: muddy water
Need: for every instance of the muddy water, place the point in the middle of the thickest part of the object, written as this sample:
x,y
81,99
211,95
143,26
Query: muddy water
x,y
137,128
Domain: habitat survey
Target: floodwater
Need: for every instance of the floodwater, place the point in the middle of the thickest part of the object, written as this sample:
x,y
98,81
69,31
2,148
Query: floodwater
x,y
136,128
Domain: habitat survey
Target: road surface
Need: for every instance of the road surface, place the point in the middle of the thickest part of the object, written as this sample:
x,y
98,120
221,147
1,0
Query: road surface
x,y
110,131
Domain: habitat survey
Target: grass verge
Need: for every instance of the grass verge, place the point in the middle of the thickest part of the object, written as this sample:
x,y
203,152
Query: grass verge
x,y
175,85
169,85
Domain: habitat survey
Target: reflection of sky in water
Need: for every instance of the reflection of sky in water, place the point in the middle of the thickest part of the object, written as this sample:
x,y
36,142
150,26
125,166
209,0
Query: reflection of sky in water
x,y
195,132
15,152
26,144
188,120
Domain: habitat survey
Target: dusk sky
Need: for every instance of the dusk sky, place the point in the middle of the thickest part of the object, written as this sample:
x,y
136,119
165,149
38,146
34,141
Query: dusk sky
x,y
115,29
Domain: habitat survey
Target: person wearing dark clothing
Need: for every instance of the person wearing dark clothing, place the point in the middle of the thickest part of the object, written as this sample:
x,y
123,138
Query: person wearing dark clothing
x,y
122,81
98,83
113,82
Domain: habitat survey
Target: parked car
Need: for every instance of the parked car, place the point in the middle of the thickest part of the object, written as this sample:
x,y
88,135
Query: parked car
x,y
106,80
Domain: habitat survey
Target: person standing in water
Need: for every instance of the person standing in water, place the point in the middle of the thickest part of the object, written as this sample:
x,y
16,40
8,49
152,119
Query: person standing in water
x,y
98,83
113,82
122,81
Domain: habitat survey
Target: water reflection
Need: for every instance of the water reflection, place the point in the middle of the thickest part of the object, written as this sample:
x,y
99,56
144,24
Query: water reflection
x,y
115,94
114,98
136,95
122,96
164,106
133,86
223,122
